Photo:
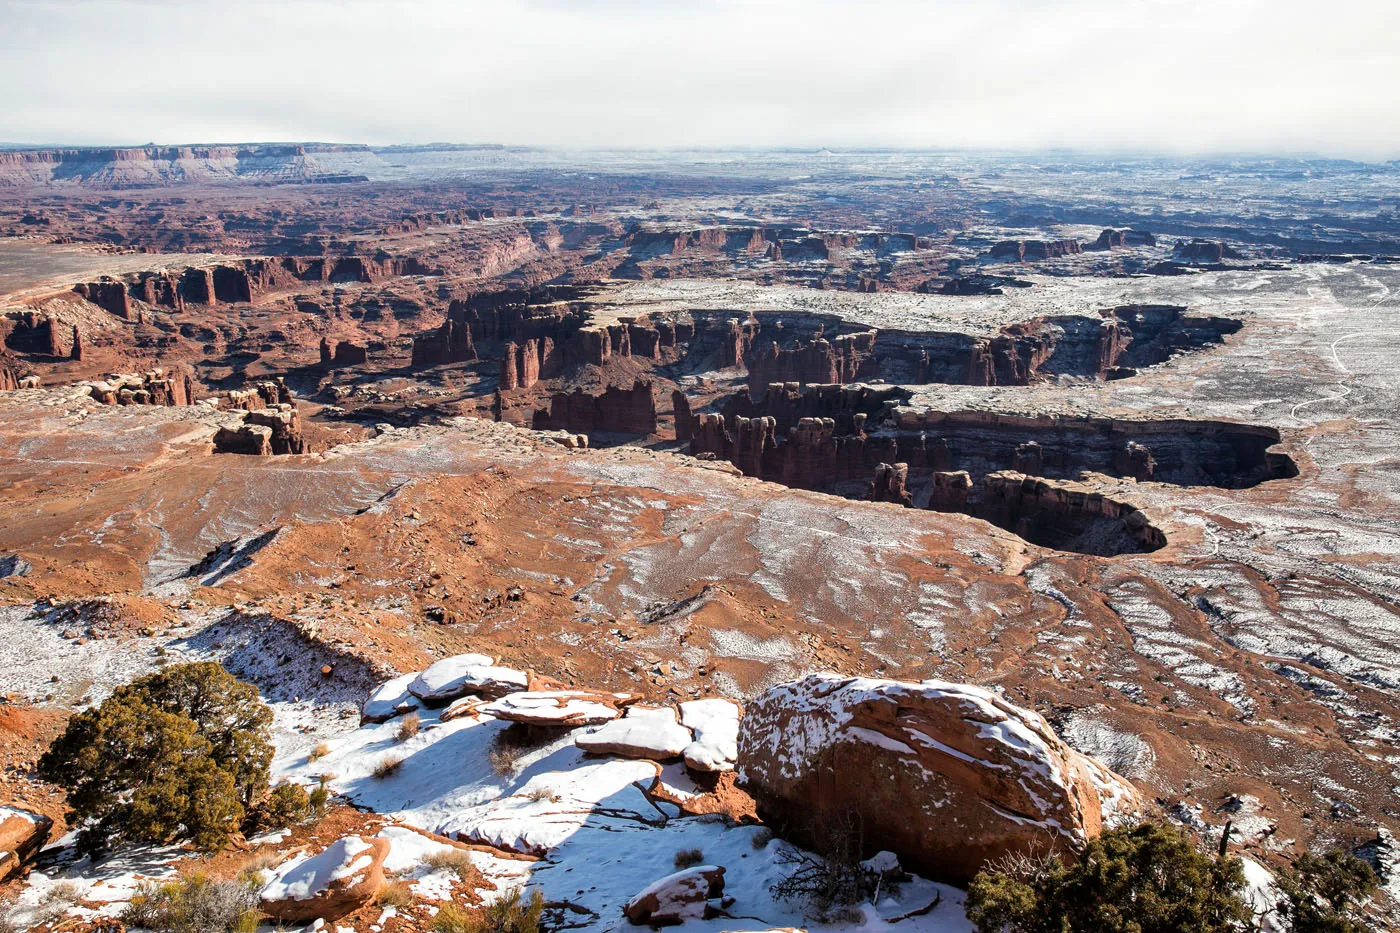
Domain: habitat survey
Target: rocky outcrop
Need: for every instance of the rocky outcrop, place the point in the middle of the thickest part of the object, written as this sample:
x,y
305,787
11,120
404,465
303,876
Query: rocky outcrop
x,y
336,881
690,894
450,343
615,410
248,439
109,295
9,371
947,776
268,393
153,387
282,421
888,484
22,835
845,358
343,353
1064,515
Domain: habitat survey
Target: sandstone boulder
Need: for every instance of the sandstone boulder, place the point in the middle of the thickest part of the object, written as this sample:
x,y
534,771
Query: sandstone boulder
x,y
337,881
390,699
645,732
462,674
22,835
947,776
679,897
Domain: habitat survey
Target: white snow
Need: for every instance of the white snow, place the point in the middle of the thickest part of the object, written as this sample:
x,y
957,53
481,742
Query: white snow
x,y
644,732
302,879
462,674
553,707
390,699
715,723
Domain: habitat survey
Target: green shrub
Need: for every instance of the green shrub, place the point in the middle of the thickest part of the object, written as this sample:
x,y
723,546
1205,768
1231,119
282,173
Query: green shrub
x,y
319,797
1322,894
285,804
178,754
195,903
1147,879
511,913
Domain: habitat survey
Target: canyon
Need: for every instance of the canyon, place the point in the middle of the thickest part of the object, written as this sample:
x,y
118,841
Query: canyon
x,y
669,432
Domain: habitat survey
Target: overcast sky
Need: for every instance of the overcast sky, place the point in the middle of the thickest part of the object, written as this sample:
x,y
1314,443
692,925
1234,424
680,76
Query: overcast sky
x,y
1317,76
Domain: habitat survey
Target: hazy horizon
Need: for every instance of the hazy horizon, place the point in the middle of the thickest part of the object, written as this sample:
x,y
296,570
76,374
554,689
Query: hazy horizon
x,y
1115,77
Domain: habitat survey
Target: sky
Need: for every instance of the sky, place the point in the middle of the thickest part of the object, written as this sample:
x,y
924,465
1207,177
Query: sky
x,y
1175,76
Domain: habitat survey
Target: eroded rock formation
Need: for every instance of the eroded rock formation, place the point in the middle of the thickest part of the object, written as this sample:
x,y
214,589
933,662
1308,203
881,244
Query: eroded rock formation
x,y
616,409
947,776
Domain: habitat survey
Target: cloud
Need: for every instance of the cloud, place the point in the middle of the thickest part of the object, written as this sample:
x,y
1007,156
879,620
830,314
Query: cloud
x,y
1175,75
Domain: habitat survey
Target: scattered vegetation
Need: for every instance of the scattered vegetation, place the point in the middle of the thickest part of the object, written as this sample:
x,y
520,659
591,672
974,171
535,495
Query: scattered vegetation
x,y
832,881
544,794
180,754
1148,879
396,894
387,767
688,858
319,751
319,797
196,903
513,912
408,726
1324,893
285,804
457,861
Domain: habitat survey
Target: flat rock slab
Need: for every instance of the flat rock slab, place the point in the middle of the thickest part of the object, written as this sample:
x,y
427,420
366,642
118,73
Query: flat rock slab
x,y
556,707
645,732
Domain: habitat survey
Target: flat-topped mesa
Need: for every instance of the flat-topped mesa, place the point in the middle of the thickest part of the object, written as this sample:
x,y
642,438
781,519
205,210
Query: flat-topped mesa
x,y
241,281
616,410
1203,251
1032,250
1119,239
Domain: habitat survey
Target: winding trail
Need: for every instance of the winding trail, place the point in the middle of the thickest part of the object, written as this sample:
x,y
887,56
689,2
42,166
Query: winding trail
x,y
1345,389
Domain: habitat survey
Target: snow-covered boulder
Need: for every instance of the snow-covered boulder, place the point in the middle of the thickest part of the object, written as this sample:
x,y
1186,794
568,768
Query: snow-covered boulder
x,y
391,698
336,881
947,776
555,708
462,674
22,835
715,723
679,897
644,732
